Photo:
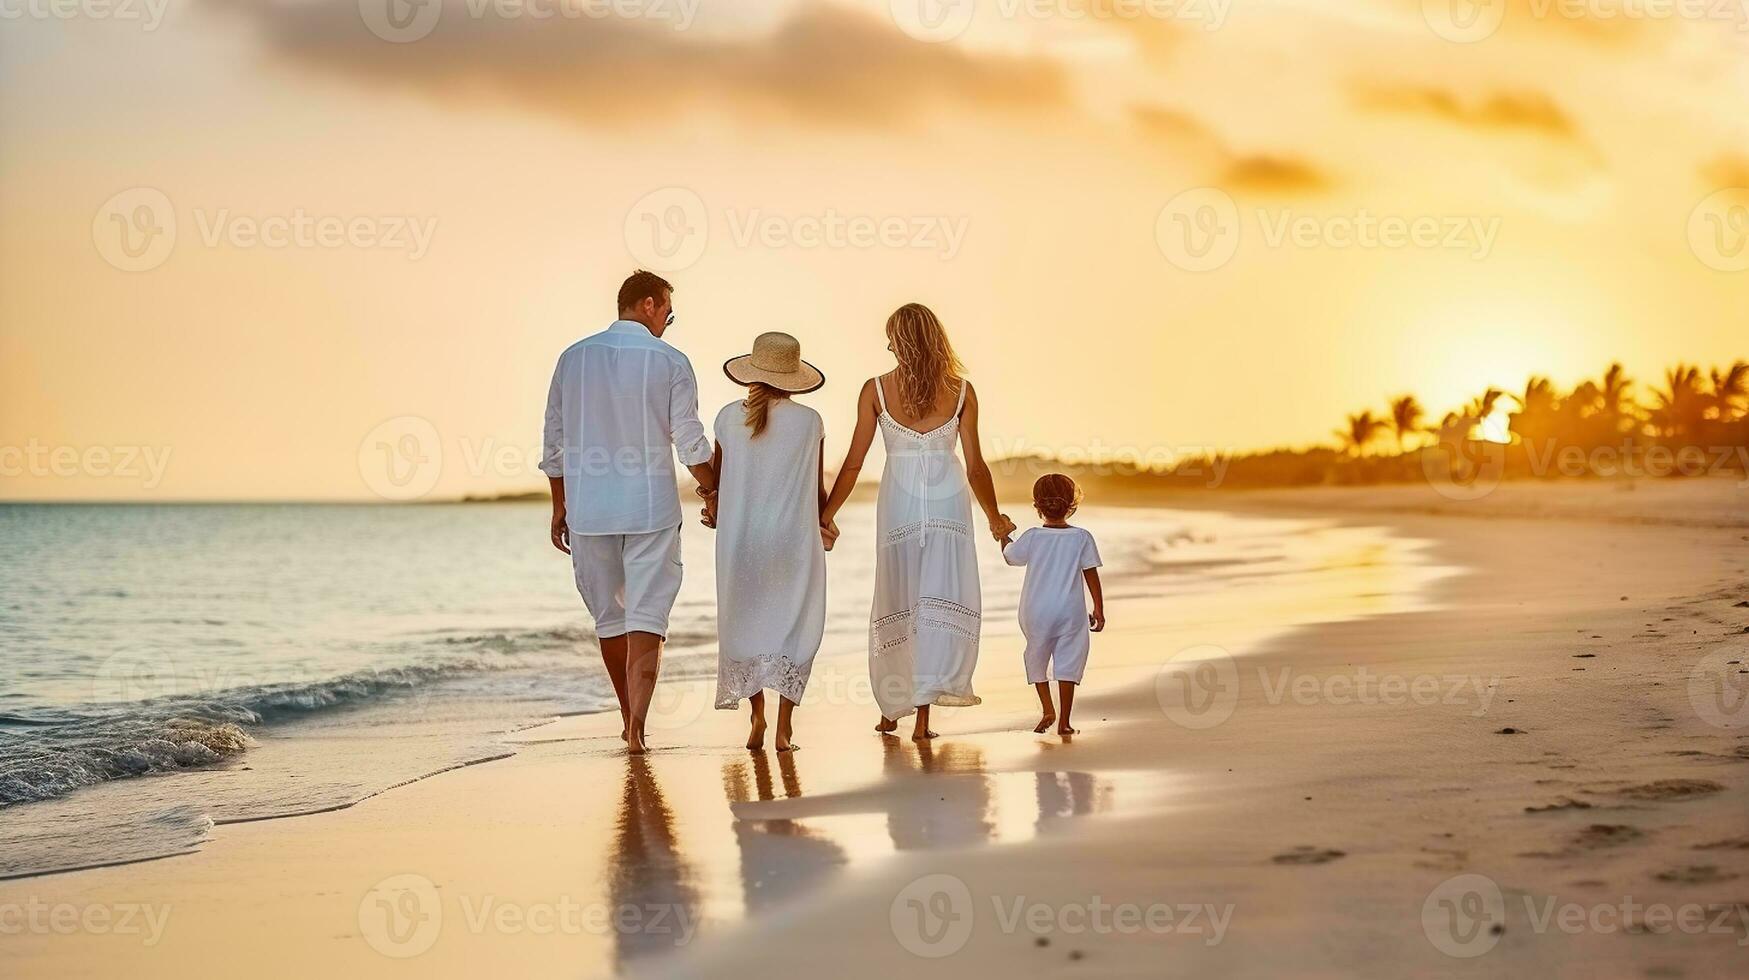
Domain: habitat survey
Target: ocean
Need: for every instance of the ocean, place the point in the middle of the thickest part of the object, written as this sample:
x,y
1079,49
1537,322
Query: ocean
x,y
168,668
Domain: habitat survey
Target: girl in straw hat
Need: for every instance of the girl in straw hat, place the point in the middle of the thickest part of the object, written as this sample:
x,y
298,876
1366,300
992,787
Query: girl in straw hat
x,y
771,559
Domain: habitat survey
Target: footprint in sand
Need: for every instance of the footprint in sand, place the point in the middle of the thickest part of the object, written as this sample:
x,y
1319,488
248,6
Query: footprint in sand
x,y
1695,874
1728,844
1307,854
1671,789
1561,803
1602,835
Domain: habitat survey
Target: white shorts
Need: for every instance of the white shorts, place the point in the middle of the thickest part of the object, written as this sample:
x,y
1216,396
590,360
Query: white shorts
x,y
1061,652
628,581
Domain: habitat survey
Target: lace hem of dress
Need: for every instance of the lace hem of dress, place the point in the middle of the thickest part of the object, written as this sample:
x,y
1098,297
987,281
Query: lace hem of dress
x,y
738,680
932,613
906,531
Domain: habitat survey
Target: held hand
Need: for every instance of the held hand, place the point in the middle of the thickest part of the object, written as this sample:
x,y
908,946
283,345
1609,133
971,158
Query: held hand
x,y
1001,527
559,533
1096,622
829,534
708,516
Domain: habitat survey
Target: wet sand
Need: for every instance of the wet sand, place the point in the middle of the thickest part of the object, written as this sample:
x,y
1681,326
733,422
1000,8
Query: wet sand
x,y
1301,776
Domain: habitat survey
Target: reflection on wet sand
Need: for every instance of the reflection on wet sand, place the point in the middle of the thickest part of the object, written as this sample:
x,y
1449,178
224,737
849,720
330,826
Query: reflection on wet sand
x,y
651,887
780,858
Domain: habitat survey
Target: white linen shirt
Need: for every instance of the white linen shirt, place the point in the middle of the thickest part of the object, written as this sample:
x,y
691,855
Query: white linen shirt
x,y
621,404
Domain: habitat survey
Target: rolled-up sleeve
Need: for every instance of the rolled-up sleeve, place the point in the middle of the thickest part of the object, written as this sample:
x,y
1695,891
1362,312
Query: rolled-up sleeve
x,y
684,428
552,458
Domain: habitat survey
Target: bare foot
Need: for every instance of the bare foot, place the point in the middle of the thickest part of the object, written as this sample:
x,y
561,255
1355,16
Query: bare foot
x,y
887,726
924,736
783,742
1066,730
756,738
1045,723
636,746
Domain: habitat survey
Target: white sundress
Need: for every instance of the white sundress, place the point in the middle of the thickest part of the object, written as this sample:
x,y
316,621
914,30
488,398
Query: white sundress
x,y
771,565
923,632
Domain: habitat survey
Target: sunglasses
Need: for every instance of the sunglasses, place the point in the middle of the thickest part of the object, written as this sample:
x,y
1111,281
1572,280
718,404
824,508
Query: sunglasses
x,y
670,320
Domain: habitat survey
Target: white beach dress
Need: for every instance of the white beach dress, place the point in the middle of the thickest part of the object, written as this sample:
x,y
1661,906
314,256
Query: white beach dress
x,y
923,631
771,565
1053,602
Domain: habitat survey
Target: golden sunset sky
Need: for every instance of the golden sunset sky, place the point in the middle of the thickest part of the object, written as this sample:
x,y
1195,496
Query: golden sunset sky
x,y
382,239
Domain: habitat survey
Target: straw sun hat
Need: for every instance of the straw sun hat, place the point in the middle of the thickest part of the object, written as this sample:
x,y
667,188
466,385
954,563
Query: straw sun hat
x,y
776,361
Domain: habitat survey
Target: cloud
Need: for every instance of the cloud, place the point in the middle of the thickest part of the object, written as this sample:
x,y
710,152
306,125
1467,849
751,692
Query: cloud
x,y
1726,170
1274,175
1527,112
824,63
1261,173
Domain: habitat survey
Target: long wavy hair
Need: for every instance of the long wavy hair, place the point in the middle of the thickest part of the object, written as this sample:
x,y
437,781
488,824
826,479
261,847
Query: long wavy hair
x,y
758,405
927,364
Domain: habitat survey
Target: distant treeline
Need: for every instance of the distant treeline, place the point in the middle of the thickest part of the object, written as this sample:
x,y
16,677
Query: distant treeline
x,y
1695,423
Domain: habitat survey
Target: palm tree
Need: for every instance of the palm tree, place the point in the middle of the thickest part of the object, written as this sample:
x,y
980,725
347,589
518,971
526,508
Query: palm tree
x,y
1535,418
1406,416
1362,430
1729,387
1683,403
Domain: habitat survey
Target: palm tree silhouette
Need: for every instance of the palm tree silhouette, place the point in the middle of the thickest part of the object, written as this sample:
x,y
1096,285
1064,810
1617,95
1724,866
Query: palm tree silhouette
x,y
1406,416
1362,430
1682,404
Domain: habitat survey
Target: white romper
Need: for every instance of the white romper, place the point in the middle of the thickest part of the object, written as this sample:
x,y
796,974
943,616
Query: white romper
x,y
1053,602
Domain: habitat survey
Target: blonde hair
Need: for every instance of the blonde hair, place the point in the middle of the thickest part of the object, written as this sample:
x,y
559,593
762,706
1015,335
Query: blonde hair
x,y
927,363
758,403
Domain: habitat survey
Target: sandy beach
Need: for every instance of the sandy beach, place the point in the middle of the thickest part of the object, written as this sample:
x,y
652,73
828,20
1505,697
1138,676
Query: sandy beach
x,y
1493,737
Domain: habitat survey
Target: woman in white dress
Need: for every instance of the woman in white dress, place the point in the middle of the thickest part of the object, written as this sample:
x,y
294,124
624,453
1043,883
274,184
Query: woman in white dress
x,y
771,559
923,631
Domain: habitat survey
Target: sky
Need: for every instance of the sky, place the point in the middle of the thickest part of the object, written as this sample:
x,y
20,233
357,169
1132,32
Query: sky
x,y
330,249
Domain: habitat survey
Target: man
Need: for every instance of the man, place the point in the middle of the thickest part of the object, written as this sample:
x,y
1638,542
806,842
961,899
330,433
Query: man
x,y
622,402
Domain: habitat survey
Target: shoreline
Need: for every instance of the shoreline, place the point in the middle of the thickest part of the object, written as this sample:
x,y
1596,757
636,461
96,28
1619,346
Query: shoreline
x,y
1140,796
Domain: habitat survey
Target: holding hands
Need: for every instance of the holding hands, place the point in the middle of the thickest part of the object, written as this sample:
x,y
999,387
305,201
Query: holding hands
x,y
1001,528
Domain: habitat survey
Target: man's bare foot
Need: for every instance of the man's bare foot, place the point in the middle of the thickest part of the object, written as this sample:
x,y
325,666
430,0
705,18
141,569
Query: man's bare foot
x,y
1045,723
924,735
756,738
783,742
636,746
887,726
1066,730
